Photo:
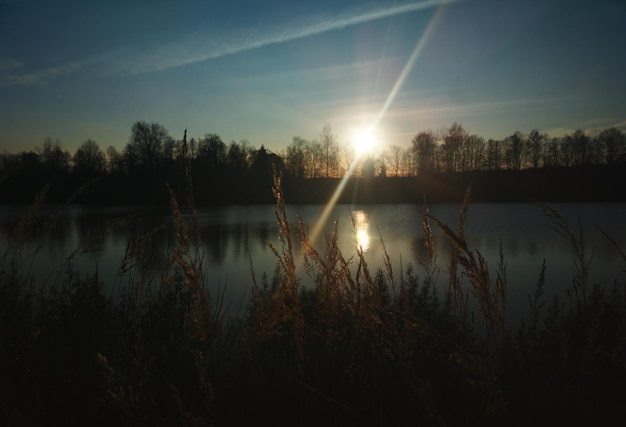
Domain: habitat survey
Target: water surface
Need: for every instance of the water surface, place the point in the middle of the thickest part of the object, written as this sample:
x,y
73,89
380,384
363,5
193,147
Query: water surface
x,y
235,241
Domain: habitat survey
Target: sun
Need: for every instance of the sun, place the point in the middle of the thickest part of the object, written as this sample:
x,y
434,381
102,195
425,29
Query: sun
x,y
363,141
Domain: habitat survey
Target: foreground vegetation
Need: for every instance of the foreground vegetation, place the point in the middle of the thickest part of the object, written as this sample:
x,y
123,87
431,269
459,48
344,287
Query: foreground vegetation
x,y
358,347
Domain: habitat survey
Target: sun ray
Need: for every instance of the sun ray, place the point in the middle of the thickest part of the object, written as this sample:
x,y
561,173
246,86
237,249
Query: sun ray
x,y
372,128
408,66
331,203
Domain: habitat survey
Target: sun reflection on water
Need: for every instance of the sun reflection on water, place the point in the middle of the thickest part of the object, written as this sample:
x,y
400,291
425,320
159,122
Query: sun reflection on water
x,y
361,230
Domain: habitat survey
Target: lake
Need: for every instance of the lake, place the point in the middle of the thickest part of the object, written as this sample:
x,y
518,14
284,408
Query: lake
x,y
234,237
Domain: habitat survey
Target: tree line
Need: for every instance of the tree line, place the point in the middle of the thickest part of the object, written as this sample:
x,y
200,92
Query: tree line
x,y
152,158
456,150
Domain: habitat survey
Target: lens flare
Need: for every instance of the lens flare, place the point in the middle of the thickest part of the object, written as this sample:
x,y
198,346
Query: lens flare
x,y
363,141
372,128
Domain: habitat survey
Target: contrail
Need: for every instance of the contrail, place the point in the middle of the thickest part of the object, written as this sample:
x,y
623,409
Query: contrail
x,y
349,21
172,55
199,47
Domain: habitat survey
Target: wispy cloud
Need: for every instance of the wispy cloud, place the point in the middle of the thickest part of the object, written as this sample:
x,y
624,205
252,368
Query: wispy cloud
x,y
594,127
559,132
200,46
10,64
15,75
590,127
440,108
37,78
621,125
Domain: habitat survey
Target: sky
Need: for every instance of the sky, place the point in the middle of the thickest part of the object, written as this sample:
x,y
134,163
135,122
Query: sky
x,y
267,71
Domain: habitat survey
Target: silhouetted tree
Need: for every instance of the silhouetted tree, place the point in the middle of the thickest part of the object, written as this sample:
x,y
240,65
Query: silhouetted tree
x,y
580,146
346,157
295,157
261,165
537,146
553,153
515,151
52,156
424,147
596,152
368,168
237,158
494,154
115,160
8,163
169,148
145,146
409,162
615,145
263,168
182,152
316,160
382,169
395,159
89,158
211,152
330,149
24,162
193,148
474,148
568,151
453,141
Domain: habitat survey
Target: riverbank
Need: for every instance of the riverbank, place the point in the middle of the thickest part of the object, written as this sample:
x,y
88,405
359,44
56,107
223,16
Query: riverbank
x,y
548,185
545,185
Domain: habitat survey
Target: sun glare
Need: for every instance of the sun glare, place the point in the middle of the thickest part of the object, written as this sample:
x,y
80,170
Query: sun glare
x,y
361,228
363,141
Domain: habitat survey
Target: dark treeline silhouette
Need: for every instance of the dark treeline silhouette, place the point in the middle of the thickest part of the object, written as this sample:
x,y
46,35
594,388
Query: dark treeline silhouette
x,y
438,166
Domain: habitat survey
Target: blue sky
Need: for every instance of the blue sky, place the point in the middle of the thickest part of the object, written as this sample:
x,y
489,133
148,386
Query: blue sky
x,y
269,71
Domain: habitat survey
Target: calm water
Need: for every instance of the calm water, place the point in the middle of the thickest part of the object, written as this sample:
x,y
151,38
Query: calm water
x,y
97,238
